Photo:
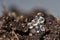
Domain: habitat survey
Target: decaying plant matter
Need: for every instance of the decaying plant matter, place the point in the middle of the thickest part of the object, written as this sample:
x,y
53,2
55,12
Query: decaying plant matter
x,y
36,25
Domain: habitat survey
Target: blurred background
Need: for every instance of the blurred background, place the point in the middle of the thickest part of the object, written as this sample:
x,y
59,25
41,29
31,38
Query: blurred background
x,y
52,5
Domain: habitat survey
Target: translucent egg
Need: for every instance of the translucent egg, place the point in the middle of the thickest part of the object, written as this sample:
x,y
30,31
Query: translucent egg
x,y
34,22
39,13
36,17
42,28
30,25
41,20
37,29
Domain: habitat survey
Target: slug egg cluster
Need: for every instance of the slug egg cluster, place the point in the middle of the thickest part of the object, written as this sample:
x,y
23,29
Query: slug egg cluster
x,y
36,23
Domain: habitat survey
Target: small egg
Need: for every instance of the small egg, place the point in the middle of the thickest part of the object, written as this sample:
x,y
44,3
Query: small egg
x,y
41,19
35,24
39,13
30,25
33,21
37,29
42,28
36,17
